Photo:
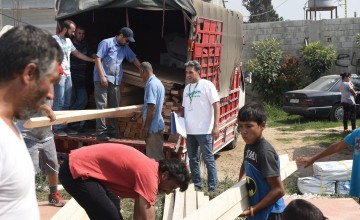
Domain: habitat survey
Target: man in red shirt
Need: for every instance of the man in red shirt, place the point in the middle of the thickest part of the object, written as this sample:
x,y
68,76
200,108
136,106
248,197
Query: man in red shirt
x,y
96,176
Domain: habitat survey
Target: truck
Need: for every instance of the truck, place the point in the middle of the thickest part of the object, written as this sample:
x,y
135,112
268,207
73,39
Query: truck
x,y
167,33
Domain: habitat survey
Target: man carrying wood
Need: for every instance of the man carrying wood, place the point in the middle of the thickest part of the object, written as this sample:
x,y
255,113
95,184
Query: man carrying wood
x,y
260,167
153,122
29,61
96,175
41,146
108,73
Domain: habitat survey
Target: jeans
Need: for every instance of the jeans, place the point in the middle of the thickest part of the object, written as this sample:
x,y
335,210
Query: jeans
x,y
202,143
62,96
349,113
98,202
106,98
79,97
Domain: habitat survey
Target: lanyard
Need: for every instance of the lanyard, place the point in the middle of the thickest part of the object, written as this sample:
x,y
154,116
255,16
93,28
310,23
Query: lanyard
x,y
191,94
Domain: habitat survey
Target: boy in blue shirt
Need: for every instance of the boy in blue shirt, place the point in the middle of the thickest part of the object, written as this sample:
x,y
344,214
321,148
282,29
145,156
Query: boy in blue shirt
x,y
351,140
261,166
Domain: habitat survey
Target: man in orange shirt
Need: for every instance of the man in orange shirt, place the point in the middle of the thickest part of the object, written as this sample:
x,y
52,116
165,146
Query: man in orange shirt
x,y
96,176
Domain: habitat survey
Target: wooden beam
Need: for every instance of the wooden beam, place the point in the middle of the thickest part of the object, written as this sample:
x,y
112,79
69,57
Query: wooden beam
x,y
190,199
232,202
179,206
71,211
201,199
82,115
289,169
220,204
232,213
169,206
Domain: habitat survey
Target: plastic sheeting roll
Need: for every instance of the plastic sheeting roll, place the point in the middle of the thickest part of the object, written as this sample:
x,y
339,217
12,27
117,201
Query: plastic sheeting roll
x,y
333,170
315,186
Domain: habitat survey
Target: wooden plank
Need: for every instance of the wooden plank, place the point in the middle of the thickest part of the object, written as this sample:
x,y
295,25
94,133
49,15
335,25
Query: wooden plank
x,y
233,212
220,204
284,160
169,206
83,115
233,201
200,199
71,211
190,199
289,169
179,205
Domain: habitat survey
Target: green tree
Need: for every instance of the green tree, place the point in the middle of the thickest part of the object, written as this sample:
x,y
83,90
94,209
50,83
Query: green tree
x,y
261,11
317,58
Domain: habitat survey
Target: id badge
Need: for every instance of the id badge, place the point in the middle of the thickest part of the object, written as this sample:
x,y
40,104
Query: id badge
x,y
190,108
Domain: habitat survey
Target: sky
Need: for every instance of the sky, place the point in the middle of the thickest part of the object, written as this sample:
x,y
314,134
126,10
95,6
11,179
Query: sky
x,y
294,9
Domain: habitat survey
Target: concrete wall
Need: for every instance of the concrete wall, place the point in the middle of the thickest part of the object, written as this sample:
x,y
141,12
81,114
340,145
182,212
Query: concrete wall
x,y
291,34
9,4
42,18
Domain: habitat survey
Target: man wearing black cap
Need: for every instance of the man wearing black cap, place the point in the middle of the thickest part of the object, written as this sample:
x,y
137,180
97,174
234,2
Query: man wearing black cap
x,y
108,73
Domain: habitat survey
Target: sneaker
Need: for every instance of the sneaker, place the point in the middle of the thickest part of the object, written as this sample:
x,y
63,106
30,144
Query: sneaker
x,y
56,200
60,133
102,137
70,131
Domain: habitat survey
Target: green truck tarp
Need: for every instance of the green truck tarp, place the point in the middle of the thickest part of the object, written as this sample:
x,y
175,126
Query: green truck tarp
x,y
72,7
232,40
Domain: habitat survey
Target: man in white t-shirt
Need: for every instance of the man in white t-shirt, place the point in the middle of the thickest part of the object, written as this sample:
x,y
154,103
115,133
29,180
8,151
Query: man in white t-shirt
x,y
29,60
63,90
201,113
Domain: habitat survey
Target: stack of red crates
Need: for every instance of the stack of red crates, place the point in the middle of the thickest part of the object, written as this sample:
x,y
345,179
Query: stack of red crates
x,y
207,48
229,105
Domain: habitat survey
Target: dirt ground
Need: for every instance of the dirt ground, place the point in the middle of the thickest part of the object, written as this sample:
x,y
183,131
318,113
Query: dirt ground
x,y
295,144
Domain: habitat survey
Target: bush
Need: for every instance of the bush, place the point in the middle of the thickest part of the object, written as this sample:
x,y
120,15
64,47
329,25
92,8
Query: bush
x,y
271,77
357,40
291,77
317,58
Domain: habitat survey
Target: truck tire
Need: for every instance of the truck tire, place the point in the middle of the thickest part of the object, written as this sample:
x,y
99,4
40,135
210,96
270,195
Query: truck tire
x,y
337,112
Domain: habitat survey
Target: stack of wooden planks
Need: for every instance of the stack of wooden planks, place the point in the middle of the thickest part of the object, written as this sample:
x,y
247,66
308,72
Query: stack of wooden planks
x,y
228,205
131,95
133,84
130,127
184,203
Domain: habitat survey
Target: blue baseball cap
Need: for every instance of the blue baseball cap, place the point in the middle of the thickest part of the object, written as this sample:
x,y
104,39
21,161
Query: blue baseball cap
x,y
128,33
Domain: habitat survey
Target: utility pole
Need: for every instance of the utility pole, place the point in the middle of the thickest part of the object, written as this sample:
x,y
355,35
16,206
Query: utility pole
x,y
344,3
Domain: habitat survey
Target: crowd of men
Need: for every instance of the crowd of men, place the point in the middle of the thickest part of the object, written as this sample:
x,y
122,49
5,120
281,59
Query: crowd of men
x,y
40,74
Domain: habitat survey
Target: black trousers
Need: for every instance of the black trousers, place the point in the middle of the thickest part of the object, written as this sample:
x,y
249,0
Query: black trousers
x,y
349,113
98,202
